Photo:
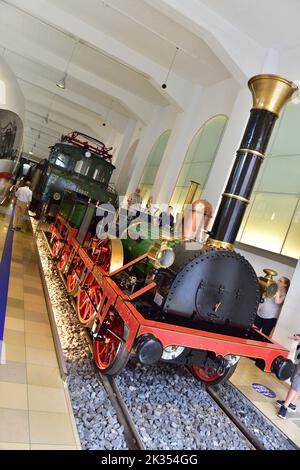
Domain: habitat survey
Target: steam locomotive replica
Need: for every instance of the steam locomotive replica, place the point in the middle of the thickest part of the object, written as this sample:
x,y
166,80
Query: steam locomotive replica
x,y
79,163
161,302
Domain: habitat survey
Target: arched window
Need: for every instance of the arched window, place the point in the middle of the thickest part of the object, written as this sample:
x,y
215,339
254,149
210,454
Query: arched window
x,y
199,159
152,165
272,219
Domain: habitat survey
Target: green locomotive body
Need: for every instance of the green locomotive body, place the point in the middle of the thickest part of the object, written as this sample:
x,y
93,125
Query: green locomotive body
x,y
73,166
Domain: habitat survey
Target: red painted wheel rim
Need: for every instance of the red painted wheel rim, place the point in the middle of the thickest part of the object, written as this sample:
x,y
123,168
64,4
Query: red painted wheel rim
x,y
85,309
62,261
56,248
106,347
205,374
74,277
71,281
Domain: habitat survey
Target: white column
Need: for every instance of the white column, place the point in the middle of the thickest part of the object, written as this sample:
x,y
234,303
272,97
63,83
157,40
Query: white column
x,y
176,149
118,161
227,151
289,319
147,139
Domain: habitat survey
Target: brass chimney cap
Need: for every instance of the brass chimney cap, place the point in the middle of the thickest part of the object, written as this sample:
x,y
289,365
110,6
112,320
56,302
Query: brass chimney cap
x,y
271,92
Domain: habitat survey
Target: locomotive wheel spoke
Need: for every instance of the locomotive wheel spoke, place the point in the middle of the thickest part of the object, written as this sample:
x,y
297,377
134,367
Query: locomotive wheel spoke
x,y
85,306
107,347
61,264
212,376
73,279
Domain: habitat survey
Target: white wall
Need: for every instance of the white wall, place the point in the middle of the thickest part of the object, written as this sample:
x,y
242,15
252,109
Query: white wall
x,y
163,118
204,104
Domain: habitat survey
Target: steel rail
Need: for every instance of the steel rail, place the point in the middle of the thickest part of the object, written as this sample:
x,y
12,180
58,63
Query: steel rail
x,y
131,434
254,442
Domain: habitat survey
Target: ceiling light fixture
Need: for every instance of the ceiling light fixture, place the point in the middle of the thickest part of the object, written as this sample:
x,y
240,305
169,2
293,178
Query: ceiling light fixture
x,y
62,82
164,85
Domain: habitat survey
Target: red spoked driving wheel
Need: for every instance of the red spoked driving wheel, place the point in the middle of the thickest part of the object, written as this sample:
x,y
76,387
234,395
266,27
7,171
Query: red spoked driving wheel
x,y
212,376
74,277
63,260
56,248
110,353
88,301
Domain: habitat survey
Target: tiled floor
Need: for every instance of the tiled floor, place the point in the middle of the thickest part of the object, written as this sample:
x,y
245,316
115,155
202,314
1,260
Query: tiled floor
x,y
246,374
35,411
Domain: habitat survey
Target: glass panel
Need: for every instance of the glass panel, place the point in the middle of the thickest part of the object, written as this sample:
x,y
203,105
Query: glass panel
x,y
62,160
154,159
199,159
271,217
281,175
269,221
82,167
245,218
210,139
291,246
193,147
287,141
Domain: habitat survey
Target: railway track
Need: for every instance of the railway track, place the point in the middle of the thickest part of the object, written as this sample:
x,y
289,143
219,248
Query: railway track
x,y
131,432
253,441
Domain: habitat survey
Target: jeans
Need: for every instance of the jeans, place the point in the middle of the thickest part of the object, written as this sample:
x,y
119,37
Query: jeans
x,y
266,325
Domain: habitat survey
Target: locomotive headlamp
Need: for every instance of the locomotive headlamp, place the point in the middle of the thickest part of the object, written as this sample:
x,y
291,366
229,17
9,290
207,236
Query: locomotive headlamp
x,y
267,285
56,196
162,255
87,154
172,352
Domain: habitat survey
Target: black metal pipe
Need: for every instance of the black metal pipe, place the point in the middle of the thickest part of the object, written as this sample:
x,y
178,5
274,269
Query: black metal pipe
x,y
270,92
243,175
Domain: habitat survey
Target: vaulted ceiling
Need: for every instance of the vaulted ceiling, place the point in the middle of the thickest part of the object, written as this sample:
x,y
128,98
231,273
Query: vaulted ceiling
x,y
116,54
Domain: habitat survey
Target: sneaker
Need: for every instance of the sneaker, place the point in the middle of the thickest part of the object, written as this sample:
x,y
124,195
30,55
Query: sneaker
x,y
291,407
282,412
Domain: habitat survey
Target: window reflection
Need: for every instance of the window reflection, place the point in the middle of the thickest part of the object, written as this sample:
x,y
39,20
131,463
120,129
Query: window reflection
x,y
269,221
61,160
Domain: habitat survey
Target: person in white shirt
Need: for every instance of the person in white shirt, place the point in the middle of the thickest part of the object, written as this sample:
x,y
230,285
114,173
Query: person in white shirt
x,y
23,199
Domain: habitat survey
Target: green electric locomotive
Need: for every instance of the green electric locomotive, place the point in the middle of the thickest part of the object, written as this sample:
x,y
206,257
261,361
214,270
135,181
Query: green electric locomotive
x,y
77,165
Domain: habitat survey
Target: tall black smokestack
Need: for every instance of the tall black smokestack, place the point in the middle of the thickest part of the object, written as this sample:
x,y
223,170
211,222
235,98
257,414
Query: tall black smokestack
x,y
270,93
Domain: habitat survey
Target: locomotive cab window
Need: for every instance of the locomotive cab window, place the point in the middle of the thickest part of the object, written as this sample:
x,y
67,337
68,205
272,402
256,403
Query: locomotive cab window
x,y
101,174
82,167
61,160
